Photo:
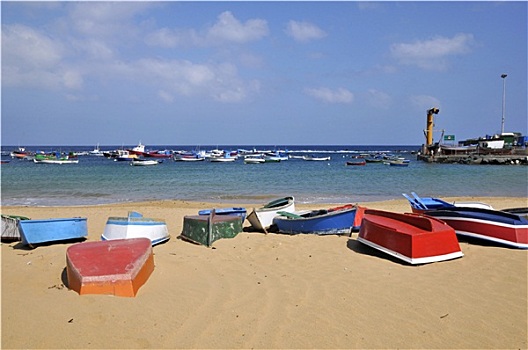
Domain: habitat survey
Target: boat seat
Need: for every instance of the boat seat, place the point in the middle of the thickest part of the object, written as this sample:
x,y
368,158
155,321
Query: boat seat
x,y
289,215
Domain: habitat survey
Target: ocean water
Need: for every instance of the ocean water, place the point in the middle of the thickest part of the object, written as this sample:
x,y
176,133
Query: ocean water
x,y
98,180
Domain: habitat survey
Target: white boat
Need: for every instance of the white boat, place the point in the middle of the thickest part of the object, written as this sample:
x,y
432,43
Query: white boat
x,y
262,218
136,226
189,157
254,160
96,152
144,162
56,161
312,158
225,158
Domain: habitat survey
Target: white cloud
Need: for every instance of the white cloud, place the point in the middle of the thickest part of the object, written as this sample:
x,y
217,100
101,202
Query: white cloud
x,y
227,29
339,95
304,31
424,102
378,99
432,54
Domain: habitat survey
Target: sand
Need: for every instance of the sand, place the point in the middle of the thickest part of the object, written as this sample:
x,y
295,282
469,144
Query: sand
x,y
267,291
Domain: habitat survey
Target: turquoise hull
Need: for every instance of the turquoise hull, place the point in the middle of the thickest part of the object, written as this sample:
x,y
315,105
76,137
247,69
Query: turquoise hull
x,y
50,230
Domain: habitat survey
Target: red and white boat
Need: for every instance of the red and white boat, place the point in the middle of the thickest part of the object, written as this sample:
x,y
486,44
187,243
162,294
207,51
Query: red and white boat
x,y
413,238
490,225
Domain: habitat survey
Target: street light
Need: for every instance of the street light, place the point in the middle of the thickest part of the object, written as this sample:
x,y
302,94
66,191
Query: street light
x,y
503,76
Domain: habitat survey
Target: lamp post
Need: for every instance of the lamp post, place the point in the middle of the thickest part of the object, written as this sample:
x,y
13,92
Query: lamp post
x,y
503,76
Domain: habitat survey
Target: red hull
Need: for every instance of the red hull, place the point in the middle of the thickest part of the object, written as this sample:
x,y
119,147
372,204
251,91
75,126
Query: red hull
x,y
119,267
413,238
513,235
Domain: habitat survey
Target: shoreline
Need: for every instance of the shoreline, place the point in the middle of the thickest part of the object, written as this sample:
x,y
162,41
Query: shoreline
x,y
267,291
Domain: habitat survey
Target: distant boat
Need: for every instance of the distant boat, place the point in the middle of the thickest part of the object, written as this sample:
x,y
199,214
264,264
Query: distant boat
x,y
356,162
55,158
226,157
314,158
49,230
332,221
254,159
262,218
490,225
276,156
144,162
136,226
189,157
96,152
413,238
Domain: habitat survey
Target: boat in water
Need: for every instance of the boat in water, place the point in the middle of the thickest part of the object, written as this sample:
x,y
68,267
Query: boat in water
x,y
262,218
489,225
332,221
413,238
136,226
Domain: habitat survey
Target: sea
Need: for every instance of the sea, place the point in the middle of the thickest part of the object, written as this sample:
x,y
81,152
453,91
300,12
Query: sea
x,y
99,180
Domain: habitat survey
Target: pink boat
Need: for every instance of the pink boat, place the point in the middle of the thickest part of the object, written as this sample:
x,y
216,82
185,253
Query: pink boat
x,y
413,238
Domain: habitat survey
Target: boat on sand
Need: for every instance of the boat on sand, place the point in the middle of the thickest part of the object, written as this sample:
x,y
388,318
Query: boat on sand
x,y
413,238
136,226
262,218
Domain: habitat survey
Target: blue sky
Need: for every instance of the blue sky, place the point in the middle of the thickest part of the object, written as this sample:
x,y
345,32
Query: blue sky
x,y
259,73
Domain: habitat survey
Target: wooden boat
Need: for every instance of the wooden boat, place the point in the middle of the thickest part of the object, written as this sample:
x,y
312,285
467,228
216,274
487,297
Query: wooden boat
x,y
314,158
413,238
517,211
117,267
49,230
144,162
11,227
357,162
276,156
227,157
398,163
206,229
189,157
262,218
55,158
254,159
490,225
424,204
135,226
332,221
158,154
240,212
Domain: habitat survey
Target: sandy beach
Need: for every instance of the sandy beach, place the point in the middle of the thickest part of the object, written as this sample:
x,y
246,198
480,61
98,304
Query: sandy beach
x,y
267,291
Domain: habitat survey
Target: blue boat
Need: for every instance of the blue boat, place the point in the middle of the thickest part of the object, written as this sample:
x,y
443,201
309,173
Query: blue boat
x,y
423,204
333,221
49,230
226,211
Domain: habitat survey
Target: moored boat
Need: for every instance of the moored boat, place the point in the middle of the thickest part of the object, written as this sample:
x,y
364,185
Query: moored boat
x,y
143,162
49,230
262,218
413,238
356,162
490,225
314,158
136,226
332,221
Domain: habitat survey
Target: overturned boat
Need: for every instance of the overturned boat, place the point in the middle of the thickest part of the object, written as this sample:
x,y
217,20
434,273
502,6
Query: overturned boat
x,y
136,226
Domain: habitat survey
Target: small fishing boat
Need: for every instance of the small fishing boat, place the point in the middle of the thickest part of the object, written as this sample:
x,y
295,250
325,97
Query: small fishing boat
x,y
34,232
262,218
357,162
399,163
226,158
135,226
424,204
517,211
189,157
117,267
206,229
258,159
240,212
332,221
11,227
314,158
143,162
413,238
490,225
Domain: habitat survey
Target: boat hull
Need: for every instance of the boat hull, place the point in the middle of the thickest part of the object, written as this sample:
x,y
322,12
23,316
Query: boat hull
x,y
490,225
49,230
321,222
240,212
206,229
413,238
136,227
262,218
